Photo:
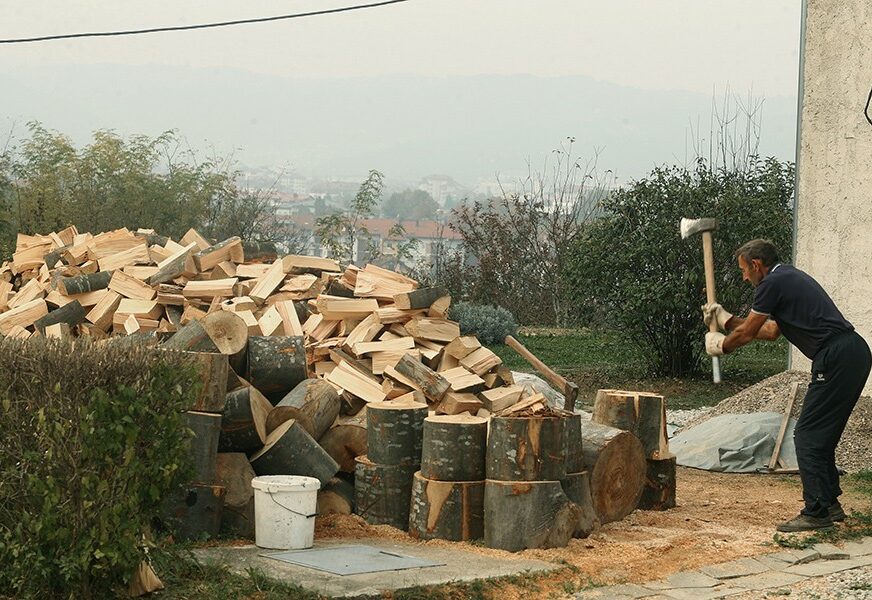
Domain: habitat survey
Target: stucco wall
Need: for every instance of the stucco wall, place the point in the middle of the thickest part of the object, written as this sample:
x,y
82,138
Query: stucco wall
x,y
834,212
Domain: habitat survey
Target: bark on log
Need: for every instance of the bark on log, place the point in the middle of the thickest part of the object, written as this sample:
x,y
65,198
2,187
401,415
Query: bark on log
x,y
243,422
526,449
394,432
80,284
289,450
454,448
70,313
572,438
576,486
446,510
431,383
346,440
336,497
616,463
213,370
276,364
191,337
204,446
194,512
382,492
640,413
259,251
528,514
420,298
313,403
659,491
235,474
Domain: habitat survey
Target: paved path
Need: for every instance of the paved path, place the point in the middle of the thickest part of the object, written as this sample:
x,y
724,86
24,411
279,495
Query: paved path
x,y
761,575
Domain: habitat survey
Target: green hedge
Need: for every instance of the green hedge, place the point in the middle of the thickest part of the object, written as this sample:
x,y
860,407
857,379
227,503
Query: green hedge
x,y
93,436
490,324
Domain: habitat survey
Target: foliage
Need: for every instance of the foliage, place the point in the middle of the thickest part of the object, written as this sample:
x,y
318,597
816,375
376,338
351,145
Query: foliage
x,y
632,265
490,324
93,438
410,205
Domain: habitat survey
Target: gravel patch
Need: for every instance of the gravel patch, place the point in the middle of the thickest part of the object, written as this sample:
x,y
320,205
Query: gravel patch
x,y
855,584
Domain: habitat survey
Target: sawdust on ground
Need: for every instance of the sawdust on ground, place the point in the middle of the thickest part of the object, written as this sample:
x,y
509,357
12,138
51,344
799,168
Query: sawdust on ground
x,y
719,517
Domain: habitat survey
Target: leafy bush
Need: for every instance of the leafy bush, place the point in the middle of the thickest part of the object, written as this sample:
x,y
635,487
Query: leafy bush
x,y
491,324
93,438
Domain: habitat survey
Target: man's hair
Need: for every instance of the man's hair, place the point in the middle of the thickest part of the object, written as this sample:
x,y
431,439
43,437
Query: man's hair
x,y
762,250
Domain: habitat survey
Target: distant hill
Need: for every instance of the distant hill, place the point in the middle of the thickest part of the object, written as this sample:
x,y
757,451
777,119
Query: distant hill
x,y
467,127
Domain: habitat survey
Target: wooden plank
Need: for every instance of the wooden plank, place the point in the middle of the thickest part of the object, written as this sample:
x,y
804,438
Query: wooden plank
x,y
785,419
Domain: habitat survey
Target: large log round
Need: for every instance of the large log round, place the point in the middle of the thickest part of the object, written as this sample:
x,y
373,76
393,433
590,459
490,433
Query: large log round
x,y
194,512
616,409
528,514
394,432
346,440
641,413
235,475
212,368
526,449
243,422
616,463
204,446
382,492
454,448
659,492
276,364
576,486
289,450
446,510
313,403
573,444
336,497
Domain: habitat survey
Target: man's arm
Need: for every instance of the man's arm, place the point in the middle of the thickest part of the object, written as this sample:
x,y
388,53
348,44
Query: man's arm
x,y
754,326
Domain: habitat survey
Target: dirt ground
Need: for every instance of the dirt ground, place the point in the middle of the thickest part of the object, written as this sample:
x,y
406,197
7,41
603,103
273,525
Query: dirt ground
x,y
719,517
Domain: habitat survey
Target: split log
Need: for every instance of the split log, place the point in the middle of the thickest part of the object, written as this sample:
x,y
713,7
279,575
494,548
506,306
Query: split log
x,y
204,446
70,313
429,381
420,298
572,437
234,473
454,403
616,409
446,510
528,514
346,440
640,413
616,463
229,249
313,403
382,492
659,491
289,450
213,370
194,512
84,283
526,449
576,486
394,432
454,448
276,364
336,497
243,422
221,331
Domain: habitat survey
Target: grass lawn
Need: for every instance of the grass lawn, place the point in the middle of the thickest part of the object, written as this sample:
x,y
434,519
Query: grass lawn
x,y
597,360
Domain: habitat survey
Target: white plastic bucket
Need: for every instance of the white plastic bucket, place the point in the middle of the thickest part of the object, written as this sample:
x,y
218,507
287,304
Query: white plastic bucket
x,y
284,511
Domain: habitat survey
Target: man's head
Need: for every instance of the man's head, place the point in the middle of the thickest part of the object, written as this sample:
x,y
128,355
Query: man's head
x,y
756,258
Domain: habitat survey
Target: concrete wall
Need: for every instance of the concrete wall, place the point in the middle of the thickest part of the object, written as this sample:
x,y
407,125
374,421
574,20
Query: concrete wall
x,y
834,212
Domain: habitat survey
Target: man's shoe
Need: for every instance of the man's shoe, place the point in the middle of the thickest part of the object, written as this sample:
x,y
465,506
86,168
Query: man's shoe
x,y
837,513
805,523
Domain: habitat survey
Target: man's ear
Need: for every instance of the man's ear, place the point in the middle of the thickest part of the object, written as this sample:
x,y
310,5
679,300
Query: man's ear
x,y
758,264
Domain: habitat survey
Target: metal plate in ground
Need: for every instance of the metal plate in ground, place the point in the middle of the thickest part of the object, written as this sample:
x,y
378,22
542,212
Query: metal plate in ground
x,y
351,560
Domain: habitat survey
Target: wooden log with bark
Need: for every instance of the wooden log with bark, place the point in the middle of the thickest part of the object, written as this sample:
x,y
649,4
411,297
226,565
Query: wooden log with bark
x,y
526,449
313,403
204,446
576,486
528,514
289,450
70,314
641,413
276,365
346,440
243,421
194,512
659,490
429,381
394,432
221,331
212,368
454,448
80,284
382,492
336,497
616,463
234,473
572,441
446,510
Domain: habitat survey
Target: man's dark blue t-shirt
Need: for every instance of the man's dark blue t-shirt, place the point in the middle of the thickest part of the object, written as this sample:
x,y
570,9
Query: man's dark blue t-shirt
x,y
804,312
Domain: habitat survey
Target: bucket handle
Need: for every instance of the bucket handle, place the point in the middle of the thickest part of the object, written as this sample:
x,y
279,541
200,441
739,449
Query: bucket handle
x,y
270,494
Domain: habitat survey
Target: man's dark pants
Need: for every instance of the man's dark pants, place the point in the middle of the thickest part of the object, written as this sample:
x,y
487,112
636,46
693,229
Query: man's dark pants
x,y
838,375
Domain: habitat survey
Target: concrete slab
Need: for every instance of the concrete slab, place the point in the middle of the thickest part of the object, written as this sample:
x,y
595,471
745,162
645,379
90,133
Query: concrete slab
x,y
722,591
773,564
823,567
618,592
765,581
684,579
459,565
831,552
859,548
804,556
734,568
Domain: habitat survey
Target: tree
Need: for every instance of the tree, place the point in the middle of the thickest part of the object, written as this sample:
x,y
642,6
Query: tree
x,y
410,205
632,265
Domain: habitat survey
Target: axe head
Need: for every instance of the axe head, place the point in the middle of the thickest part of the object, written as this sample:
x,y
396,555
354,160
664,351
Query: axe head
x,y
689,227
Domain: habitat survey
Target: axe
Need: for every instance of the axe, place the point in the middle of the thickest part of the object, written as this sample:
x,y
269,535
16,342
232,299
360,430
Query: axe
x,y
691,227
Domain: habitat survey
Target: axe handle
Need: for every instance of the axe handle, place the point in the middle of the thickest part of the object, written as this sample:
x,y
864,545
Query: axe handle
x,y
708,258
568,389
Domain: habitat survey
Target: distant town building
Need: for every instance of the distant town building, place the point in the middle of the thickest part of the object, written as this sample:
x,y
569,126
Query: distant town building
x,y
442,189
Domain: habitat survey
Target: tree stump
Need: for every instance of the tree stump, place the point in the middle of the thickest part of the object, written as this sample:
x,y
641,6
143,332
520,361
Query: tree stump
x,y
576,486
446,510
276,364
346,440
313,403
213,368
382,492
235,475
336,497
526,449
194,512
640,413
616,463
528,514
394,432
454,448
289,450
659,491
572,437
243,422
204,446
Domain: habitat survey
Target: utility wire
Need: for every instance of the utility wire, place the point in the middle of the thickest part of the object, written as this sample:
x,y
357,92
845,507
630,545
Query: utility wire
x,y
68,36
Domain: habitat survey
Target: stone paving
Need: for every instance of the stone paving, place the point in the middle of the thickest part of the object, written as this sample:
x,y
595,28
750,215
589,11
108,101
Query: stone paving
x,y
764,573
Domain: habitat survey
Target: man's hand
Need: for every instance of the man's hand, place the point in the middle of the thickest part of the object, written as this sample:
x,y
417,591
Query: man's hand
x,y
714,343
716,311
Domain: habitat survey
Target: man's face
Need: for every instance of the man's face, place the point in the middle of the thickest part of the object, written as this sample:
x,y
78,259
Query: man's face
x,y
751,271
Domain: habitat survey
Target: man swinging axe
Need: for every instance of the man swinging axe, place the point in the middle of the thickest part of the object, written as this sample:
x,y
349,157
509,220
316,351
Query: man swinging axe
x,y
788,301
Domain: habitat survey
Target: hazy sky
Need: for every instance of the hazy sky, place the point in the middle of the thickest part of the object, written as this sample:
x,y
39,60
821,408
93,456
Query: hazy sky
x,y
694,45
